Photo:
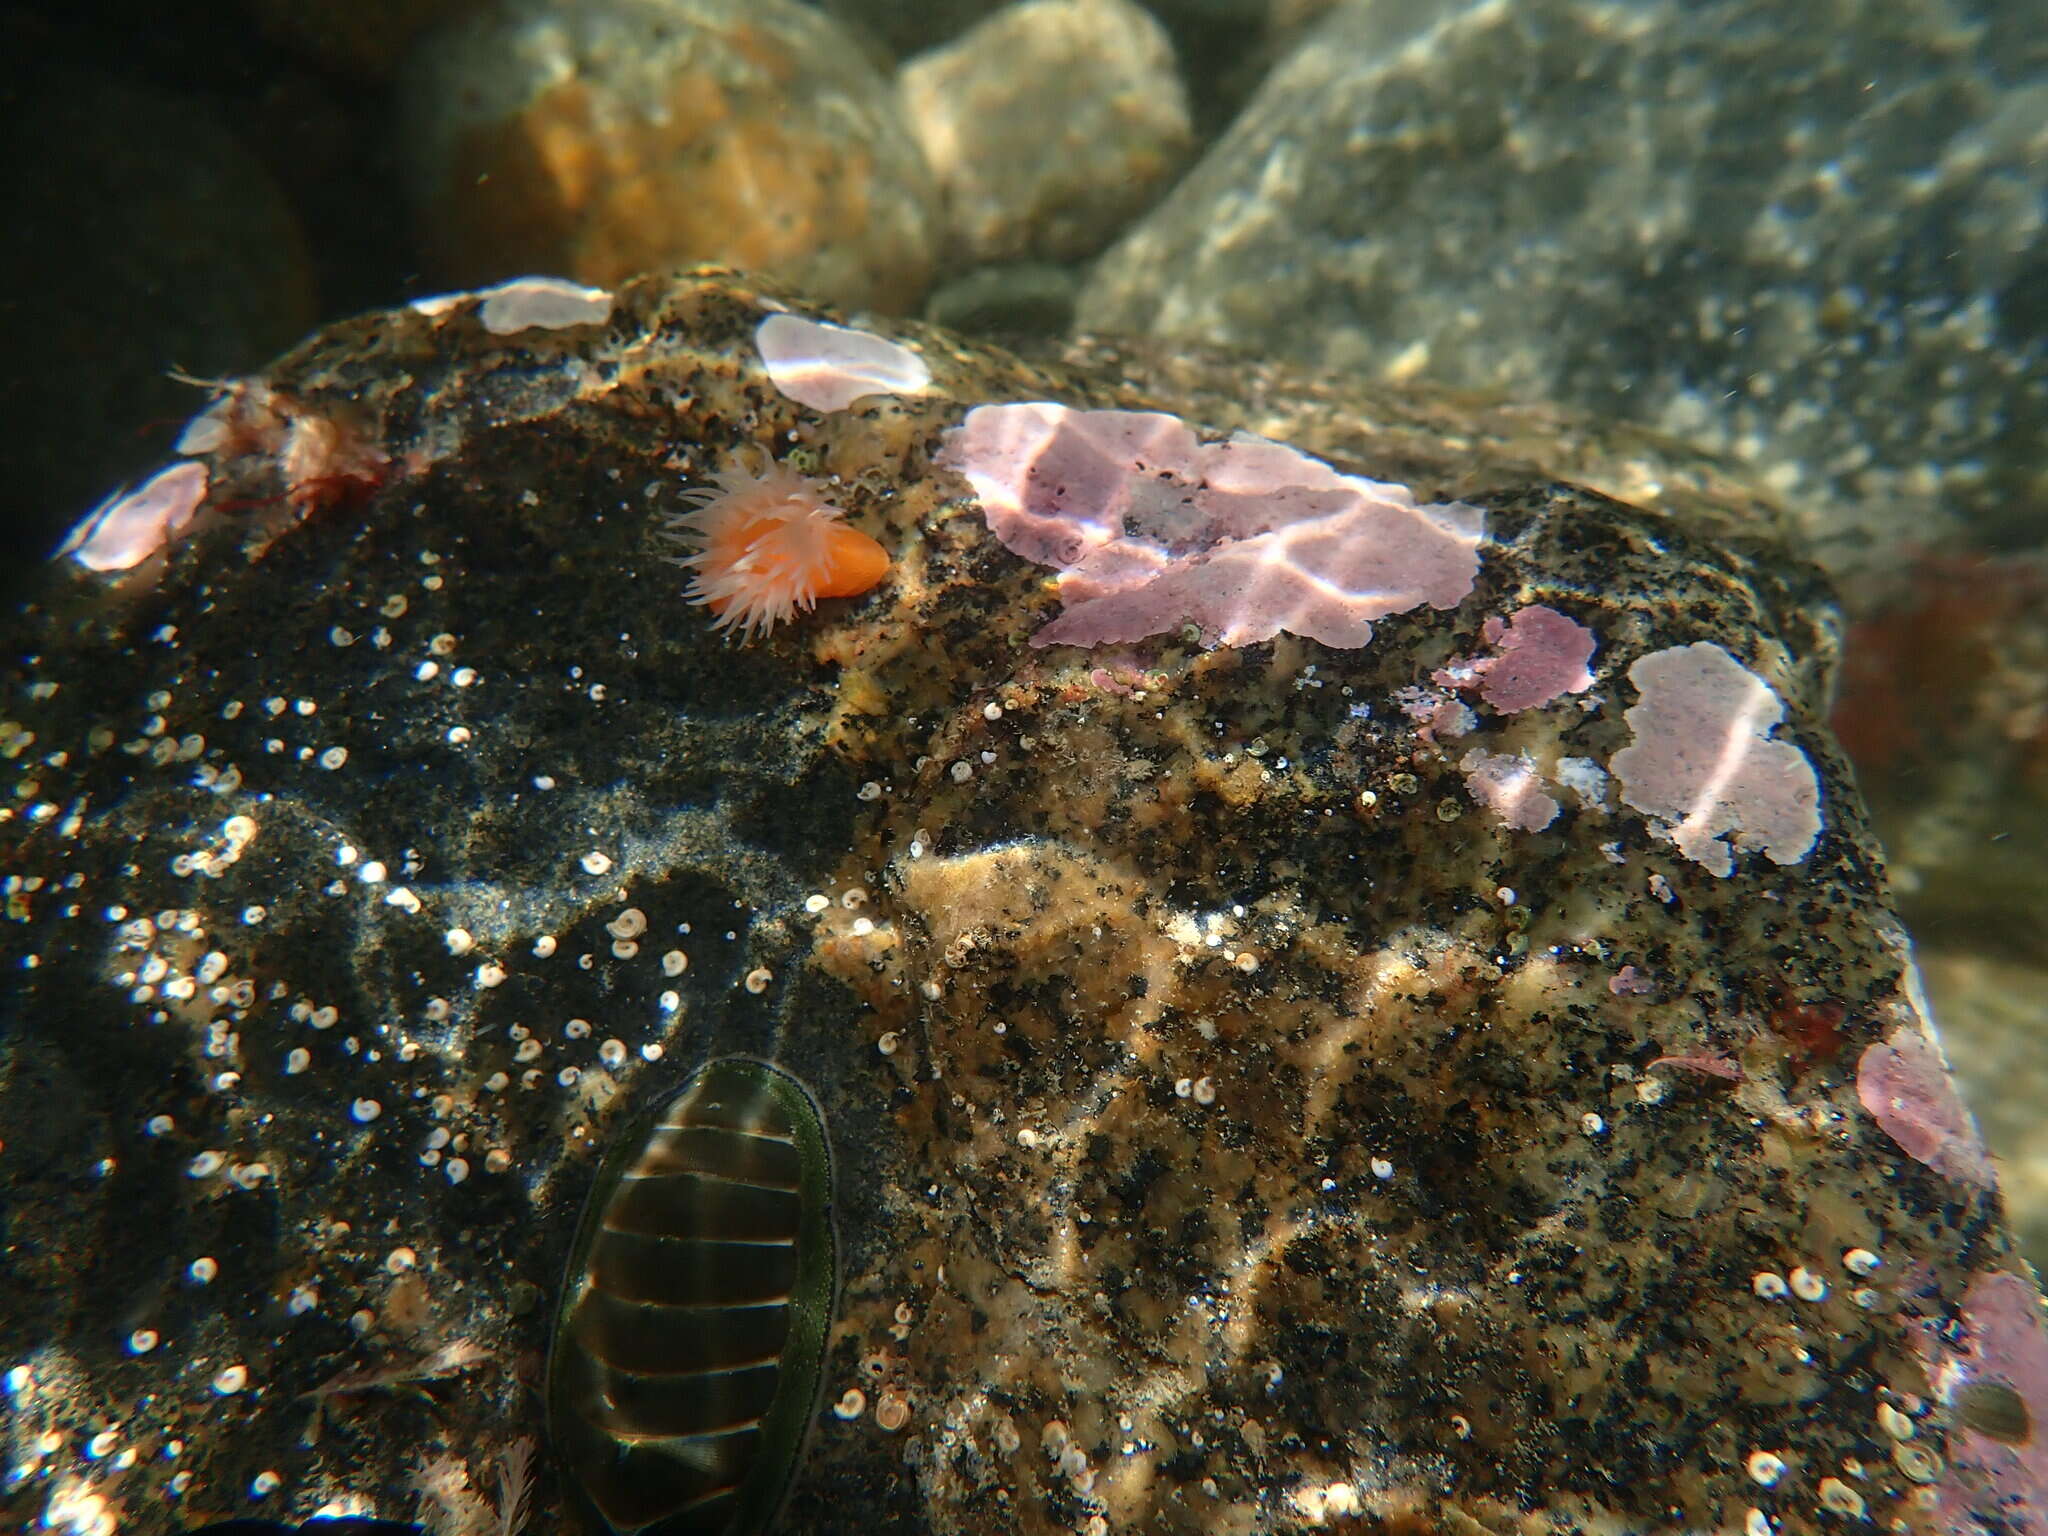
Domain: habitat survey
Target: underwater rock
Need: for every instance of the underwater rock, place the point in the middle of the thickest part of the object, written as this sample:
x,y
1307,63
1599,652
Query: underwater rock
x,y
1236,1125
1048,126
609,138
1813,247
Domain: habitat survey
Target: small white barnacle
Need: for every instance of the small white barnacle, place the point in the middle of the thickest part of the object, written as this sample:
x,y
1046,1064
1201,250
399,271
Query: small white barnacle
x,y
1807,1285
1837,1497
1765,1468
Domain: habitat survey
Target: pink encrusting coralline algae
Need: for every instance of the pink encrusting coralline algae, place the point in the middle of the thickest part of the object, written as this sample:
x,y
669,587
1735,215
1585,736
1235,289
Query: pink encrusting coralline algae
x,y
1905,1085
131,526
1152,529
1703,765
1509,786
525,304
1630,982
1991,1374
828,367
1539,655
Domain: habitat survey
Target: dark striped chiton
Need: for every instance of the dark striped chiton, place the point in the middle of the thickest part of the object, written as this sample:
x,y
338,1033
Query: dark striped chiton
x,y
686,1354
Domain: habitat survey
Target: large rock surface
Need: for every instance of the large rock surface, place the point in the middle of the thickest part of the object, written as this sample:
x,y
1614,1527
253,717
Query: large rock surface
x,y
1240,1127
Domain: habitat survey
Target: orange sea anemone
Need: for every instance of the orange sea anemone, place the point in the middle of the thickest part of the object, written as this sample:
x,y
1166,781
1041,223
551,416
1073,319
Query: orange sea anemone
x,y
766,544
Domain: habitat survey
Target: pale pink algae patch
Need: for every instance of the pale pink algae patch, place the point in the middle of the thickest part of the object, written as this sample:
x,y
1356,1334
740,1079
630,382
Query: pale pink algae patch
x,y
1905,1085
1703,766
1995,1484
1509,786
207,431
1629,982
543,303
828,367
1437,716
128,527
1152,529
1541,655
526,303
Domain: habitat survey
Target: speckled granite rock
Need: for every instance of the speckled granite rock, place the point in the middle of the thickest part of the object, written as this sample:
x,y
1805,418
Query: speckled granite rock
x,y
1816,246
1239,1128
1048,126
606,139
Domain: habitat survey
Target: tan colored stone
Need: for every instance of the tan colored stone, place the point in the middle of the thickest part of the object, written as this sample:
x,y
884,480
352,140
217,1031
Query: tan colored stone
x,y
603,140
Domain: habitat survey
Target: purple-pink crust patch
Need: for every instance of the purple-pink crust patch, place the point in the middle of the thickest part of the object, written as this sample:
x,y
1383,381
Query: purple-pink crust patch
x,y
1995,1485
1630,982
1151,528
1703,765
130,526
1905,1085
828,367
1508,785
1540,655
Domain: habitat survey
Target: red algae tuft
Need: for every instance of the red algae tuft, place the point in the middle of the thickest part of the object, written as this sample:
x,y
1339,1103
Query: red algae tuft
x,y
1705,1063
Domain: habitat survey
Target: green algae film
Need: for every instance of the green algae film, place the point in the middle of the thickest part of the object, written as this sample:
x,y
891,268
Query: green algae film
x,y
685,1364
